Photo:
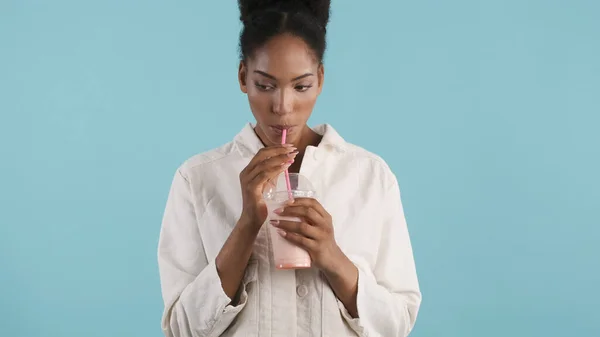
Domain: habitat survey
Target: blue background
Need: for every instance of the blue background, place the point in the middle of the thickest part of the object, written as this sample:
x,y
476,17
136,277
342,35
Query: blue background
x,y
487,111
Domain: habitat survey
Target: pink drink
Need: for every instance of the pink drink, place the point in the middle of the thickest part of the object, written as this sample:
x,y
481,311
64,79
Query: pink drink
x,y
287,255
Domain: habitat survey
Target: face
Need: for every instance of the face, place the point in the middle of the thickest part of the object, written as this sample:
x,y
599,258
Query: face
x,y
282,80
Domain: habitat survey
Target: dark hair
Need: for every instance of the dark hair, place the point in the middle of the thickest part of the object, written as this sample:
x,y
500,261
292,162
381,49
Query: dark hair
x,y
265,19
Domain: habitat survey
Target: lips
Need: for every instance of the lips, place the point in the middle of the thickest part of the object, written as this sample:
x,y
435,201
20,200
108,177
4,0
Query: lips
x,y
278,129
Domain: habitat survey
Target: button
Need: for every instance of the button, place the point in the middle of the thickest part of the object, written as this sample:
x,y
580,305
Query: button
x,y
317,154
311,151
302,290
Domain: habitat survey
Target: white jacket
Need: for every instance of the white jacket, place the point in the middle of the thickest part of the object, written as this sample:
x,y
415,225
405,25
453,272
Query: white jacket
x,y
360,192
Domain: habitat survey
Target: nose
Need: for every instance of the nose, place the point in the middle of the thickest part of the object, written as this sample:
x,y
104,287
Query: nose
x,y
283,102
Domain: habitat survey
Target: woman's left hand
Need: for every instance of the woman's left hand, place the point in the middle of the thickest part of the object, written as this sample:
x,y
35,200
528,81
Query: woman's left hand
x,y
314,233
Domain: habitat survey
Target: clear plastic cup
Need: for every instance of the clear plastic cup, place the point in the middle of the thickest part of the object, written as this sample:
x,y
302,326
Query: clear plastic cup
x,y
286,255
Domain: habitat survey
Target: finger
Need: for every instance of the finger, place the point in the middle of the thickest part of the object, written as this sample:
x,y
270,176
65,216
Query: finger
x,y
268,163
265,175
298,227
268,152
312,203
305,212
299,240
272,162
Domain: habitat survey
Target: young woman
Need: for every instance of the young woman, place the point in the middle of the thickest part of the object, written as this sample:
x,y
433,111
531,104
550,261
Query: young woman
x,y
214,253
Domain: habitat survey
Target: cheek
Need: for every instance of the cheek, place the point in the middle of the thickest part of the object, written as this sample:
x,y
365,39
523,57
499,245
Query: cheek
x,y
260,102
305,102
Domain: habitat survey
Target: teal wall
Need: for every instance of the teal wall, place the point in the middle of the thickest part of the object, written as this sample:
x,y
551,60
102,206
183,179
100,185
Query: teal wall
x,y
487,111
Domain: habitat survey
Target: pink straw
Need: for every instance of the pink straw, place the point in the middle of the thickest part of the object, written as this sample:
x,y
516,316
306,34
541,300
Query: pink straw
x,y
287,173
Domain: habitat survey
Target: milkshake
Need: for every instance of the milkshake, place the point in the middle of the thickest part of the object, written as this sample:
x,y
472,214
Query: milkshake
x,y
286,255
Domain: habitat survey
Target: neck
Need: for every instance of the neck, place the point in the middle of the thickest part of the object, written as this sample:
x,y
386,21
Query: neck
x,y
307,138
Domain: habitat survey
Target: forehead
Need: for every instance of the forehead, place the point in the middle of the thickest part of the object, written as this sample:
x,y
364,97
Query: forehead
x,y
284,56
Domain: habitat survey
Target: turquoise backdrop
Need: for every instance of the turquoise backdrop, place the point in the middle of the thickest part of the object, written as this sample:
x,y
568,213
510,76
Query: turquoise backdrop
x,y
487,111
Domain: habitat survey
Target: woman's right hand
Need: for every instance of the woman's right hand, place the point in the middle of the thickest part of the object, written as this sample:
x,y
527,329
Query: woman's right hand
x,y
267,164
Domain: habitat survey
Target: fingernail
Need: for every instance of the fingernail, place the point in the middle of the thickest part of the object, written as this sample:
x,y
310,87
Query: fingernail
x,y
278,211
274,222
281,232
293,154
291,148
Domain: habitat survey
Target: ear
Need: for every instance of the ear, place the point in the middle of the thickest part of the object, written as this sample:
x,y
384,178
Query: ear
x,y
321,76
242,73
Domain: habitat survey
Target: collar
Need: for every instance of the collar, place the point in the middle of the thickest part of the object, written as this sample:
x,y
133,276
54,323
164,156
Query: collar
x,y
248,142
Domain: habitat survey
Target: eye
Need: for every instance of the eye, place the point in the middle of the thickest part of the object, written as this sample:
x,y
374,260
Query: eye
x,y
302,88
263,87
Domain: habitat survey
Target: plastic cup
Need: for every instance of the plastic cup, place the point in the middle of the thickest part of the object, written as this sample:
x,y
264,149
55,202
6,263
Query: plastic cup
x,y
287,255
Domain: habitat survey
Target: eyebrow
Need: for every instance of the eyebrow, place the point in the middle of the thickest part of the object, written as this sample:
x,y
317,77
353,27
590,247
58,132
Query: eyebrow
x,y
275,78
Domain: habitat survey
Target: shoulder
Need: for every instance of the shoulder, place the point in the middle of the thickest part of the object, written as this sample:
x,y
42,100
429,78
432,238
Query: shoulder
x,y
209,161
359,153
370,165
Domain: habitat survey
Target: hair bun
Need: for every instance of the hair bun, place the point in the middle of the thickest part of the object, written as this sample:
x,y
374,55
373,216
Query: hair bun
x,y
317,8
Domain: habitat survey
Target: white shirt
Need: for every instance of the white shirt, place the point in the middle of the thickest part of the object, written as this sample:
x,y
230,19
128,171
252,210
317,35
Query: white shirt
x,y
360,192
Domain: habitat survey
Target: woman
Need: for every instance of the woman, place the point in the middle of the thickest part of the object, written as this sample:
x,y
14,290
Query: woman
x,y
216,276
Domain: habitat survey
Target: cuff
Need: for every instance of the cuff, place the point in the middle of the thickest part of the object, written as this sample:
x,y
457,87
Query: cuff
x,y
224,303
355,322
223,312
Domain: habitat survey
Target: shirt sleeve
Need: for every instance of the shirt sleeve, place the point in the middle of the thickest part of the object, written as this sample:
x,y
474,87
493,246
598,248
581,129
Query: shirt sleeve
x,y
195,303
388,297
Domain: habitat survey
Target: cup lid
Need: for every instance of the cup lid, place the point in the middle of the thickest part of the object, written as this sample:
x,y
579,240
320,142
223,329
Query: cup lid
x,y
298,182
